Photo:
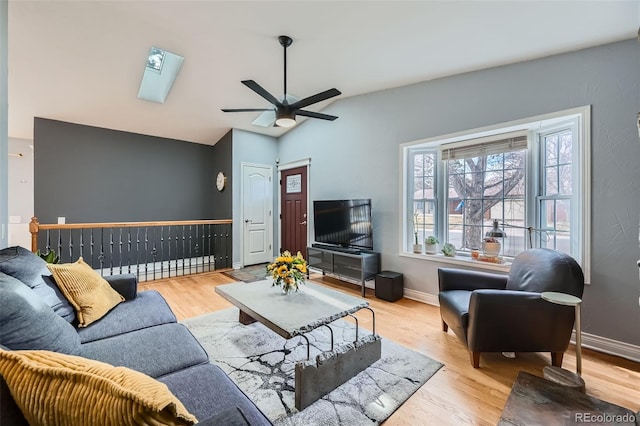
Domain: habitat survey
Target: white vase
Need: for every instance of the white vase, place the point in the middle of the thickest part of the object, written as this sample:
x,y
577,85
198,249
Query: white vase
x,y
417,248
430,248
490,249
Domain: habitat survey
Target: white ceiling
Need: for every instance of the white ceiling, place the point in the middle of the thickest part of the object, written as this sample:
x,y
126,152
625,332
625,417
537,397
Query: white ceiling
x,y
82,61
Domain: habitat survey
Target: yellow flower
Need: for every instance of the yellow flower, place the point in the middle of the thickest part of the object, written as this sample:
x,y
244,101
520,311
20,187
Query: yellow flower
x,y
283,271
288,270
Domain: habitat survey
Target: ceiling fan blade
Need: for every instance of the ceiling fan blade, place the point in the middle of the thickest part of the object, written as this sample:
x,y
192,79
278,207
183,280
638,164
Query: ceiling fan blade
x,y
261,91
246,109
316,115
318,97
266,119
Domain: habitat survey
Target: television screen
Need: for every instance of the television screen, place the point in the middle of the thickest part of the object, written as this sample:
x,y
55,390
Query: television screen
x,y
346,223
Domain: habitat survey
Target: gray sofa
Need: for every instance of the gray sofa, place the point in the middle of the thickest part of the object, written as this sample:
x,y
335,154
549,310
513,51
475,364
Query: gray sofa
x,y
140,333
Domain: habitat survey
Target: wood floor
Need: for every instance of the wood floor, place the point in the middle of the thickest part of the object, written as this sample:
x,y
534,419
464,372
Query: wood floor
x,y
458,393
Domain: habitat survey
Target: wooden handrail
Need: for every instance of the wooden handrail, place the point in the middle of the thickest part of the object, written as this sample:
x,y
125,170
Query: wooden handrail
x,y
35,226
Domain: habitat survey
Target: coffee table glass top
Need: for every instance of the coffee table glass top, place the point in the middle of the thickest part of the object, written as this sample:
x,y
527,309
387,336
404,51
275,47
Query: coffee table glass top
x,y
293,314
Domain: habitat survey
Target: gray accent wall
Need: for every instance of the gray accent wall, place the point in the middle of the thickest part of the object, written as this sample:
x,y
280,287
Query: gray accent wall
x,y
91,174
222,162
358,156
252,148
4,123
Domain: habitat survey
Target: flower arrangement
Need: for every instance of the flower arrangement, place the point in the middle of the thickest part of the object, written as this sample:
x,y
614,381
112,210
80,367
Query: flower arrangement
x,y
288,271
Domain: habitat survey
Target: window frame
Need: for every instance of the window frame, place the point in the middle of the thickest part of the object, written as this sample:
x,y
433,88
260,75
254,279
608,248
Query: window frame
x,y
535,126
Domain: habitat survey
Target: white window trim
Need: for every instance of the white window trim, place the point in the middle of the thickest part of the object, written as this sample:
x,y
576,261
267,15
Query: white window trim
x,y
583,114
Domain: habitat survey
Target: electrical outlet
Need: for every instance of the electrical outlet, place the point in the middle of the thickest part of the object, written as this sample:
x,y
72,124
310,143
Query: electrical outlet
x,y
61,220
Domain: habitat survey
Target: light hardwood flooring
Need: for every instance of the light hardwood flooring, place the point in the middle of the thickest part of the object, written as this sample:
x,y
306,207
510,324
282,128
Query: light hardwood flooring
x,y
458,393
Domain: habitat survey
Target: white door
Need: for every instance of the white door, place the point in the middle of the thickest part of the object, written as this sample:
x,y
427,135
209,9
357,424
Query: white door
x,y
257,221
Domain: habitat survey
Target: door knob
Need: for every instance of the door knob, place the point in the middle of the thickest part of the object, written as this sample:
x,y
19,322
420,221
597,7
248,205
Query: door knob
x,y
247,221
303,222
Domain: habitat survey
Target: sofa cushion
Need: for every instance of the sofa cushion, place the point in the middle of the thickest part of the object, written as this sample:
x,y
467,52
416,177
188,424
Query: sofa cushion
x,y
146,310
229,417
207,392
27,322
90,295
31,270
64,389
154,351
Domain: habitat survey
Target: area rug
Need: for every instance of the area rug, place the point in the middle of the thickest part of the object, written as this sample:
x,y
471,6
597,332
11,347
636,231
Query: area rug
x,y
262,364
248,274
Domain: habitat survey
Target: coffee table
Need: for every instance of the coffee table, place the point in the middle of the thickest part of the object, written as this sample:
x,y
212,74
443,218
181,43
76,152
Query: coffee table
x,y
299,313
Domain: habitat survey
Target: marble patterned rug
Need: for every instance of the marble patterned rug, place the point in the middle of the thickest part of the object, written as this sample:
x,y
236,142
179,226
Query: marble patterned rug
x,y
262,364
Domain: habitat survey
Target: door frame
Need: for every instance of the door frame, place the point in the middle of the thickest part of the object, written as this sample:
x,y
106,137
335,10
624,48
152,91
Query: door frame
x,y
244,164
286,166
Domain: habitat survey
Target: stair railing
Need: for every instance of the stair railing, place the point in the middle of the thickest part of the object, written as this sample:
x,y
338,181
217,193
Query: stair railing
x,y
151,250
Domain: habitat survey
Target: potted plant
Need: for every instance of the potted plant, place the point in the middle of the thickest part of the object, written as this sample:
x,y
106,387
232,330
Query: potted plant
x,y
449,250
490,247
417,247
431,245
49,257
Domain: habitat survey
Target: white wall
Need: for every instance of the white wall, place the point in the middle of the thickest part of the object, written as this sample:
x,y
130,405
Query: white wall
x,y
4,133
257,149
20,182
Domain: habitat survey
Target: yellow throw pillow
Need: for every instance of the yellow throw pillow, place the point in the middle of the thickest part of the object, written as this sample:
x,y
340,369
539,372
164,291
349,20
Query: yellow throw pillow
x,y
57,389
89,294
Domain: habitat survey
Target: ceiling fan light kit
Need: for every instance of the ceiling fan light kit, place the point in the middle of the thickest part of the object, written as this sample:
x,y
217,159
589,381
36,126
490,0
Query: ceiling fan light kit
x,y
285,113
285,119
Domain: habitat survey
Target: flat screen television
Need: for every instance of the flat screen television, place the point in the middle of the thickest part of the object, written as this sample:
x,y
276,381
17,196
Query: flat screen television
x,y
345,223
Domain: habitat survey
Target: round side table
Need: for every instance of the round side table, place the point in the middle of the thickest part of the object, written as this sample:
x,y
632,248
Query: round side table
x,y
560,375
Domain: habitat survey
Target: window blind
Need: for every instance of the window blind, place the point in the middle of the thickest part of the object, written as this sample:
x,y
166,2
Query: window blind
x,y
495,144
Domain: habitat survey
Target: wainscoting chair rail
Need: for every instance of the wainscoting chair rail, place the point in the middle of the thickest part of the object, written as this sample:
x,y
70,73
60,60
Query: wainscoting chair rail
x,y
151,250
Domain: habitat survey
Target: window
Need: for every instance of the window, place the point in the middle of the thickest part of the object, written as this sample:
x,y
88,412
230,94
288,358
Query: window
x,y
532,176
423,198
556,189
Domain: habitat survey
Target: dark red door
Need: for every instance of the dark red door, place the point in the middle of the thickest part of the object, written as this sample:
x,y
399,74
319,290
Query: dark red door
x,y
293,193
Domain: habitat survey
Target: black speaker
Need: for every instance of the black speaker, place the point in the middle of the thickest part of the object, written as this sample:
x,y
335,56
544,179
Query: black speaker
x,y
389,286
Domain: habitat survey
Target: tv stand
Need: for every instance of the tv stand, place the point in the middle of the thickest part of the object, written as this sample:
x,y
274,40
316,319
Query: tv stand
x,y
360,265
341,249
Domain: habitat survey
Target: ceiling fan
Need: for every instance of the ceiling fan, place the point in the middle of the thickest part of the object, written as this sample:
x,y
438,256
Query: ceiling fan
x,y
286,112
